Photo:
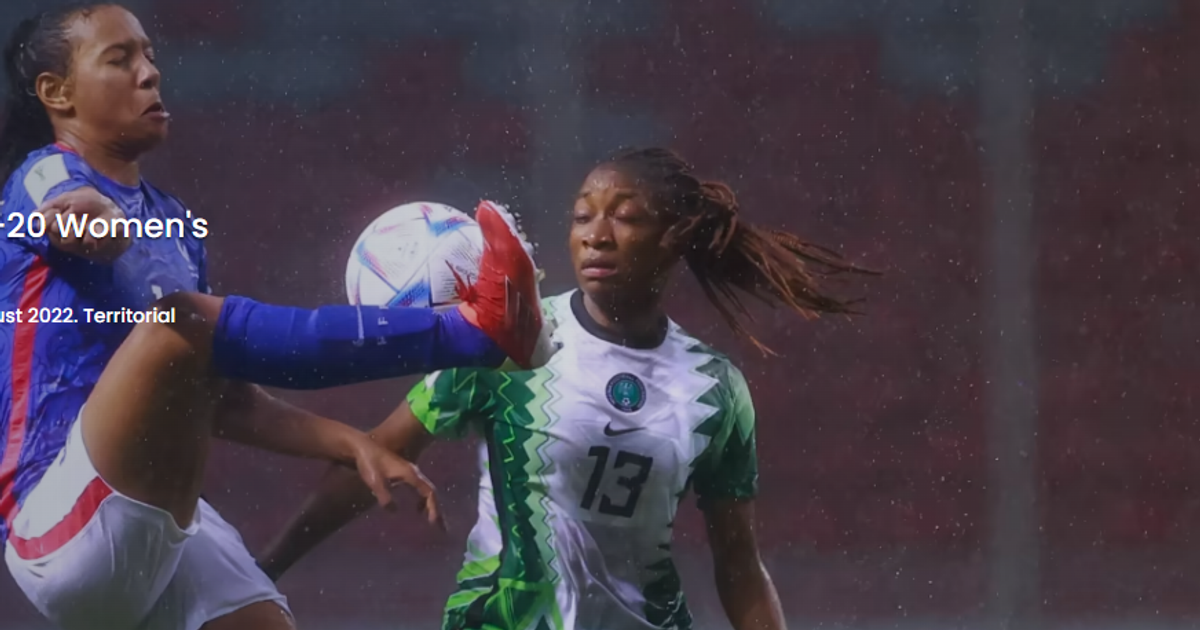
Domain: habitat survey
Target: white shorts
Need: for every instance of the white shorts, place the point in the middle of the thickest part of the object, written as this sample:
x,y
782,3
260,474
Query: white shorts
x,y
89,557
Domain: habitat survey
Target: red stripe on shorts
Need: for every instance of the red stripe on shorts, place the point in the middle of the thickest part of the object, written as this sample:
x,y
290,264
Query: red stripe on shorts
x,y
80,515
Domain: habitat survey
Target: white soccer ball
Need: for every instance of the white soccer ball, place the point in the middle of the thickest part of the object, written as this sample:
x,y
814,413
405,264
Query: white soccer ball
x,y
409,255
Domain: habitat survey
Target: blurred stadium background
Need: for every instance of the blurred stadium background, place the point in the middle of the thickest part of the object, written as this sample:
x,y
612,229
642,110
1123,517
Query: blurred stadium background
x,y
1008,440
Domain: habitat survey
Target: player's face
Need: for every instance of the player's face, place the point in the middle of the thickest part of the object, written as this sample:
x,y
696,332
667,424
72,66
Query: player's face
x,y
114,85
616,237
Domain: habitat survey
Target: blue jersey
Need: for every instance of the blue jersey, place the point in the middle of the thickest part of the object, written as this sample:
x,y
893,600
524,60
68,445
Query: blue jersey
x,y
51,355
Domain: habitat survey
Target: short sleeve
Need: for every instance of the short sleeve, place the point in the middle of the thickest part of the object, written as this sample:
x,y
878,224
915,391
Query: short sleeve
x,y
447,402
729,467
47,178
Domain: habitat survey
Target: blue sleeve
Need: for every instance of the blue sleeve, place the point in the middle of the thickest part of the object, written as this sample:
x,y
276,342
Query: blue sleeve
x,y
33,185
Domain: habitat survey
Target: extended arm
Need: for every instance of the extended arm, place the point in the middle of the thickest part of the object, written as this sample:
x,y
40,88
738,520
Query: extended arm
x,y
250,416
341,496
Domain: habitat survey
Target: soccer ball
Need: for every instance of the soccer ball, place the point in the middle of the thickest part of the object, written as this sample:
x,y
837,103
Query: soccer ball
x,y
408,257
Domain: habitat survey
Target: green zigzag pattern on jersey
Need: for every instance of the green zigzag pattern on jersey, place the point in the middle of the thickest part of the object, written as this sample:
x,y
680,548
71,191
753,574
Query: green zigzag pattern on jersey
x,y
475,579
455,381
544,398
666,605
519,595
734,398
713,397
550,307
538,419
547,396
522,594
515,605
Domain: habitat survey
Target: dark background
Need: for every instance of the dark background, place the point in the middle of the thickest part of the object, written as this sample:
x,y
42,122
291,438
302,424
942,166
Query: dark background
x,y
1009,436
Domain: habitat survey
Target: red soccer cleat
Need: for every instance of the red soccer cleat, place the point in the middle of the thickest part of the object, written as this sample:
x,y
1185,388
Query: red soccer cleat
x,y
505,302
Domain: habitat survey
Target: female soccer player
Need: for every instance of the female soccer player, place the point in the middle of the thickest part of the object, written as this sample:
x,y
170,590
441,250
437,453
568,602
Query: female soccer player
x,y
100,512
585,460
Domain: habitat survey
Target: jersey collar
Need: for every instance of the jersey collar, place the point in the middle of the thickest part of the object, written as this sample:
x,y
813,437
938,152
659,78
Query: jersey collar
x,y
593,328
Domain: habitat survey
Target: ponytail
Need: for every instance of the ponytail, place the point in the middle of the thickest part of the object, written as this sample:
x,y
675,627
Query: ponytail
x,y
39,44
727,254
25,120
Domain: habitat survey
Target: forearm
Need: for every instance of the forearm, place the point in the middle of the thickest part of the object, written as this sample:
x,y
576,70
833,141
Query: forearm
x,y
250,416
339,499
749,596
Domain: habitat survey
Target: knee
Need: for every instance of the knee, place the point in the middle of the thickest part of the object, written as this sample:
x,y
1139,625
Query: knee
x,y
189,305
192,317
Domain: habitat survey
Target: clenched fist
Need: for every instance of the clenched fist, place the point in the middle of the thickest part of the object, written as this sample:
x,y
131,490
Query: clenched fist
x,y
88,205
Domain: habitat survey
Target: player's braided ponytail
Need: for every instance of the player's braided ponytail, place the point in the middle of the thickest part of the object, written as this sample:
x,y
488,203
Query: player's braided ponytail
x,y
38,44
725,252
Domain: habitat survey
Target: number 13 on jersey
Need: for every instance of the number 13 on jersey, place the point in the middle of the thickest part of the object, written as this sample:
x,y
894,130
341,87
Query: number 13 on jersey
x,y
629,471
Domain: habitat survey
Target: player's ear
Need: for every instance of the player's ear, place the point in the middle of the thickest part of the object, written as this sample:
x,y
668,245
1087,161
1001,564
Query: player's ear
x,y
54,92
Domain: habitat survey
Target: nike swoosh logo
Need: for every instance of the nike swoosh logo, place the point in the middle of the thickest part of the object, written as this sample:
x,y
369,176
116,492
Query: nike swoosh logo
x,y
611,432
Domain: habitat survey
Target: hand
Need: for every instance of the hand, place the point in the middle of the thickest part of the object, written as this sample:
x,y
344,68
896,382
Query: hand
x,y
383,470
88,204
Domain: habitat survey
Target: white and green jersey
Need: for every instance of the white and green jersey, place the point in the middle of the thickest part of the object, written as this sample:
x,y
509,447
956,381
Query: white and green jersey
x,y
584,463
